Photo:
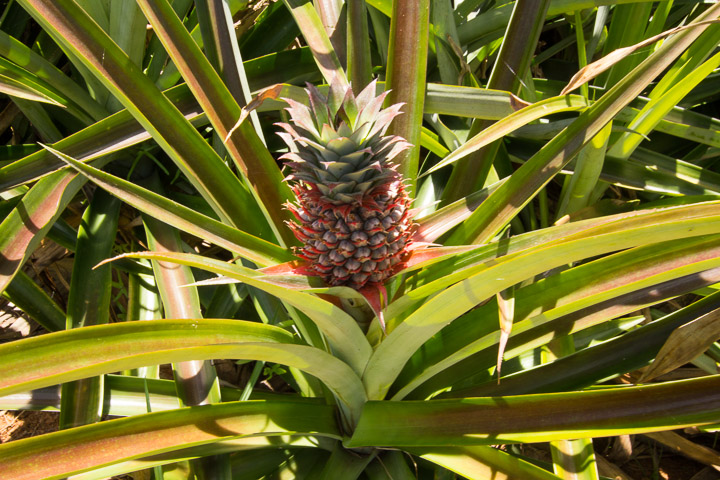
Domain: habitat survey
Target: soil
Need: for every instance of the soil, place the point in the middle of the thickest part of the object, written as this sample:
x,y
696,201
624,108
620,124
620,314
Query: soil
x,y
16,425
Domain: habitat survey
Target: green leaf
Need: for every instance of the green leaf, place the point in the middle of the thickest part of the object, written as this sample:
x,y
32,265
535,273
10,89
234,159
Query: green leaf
x,y
121,346
511,66
273,31
461,265
652,174
538,418
26,226
126,396
115,341
497,18
120,130
433,226
385,6
253,248
621,283
127,27
25,57
471,102
389,358
333,14
89,301
535,111
39,117
392,465
244,145
343,464
251,456
109,64
622,354
577,189
37,304
342,331
358,45
507,201
314,33
616,56
445,37
221,47
575,459
482,462
196,381
109,135
26,90
658,107
622,31
405,78
77,450
144,303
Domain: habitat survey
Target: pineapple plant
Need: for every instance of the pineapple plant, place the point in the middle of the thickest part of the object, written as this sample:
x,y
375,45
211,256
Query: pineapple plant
x,y
627,276
352,210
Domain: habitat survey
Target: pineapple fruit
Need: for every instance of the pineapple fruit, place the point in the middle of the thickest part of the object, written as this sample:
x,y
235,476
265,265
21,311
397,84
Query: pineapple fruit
x,y
352,210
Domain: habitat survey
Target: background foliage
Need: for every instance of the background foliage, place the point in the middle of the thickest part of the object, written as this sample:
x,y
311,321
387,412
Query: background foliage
x,y
568,219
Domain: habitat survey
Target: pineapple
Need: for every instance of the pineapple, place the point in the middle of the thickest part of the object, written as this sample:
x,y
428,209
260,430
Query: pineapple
x,y
352,210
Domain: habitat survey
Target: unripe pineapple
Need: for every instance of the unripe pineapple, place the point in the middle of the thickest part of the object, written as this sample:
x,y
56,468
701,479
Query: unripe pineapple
x,y
352,210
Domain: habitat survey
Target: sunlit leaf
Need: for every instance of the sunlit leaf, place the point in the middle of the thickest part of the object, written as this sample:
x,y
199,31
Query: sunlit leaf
x,y
538,418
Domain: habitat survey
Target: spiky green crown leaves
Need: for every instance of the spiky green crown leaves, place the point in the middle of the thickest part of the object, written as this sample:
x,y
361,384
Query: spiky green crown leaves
x,y
339,144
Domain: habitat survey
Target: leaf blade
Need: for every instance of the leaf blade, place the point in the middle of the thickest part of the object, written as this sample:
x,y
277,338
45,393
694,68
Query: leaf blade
x,y
492,420
78,450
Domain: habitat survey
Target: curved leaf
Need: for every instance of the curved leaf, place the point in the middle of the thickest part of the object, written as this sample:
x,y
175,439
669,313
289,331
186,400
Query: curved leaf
x,y
539,418
28,59
28,223
460,266
78,450
71,27
249,454
591,71
483,462
511,197
622,354
390,357
84,352
342,331
196,382
249,246
567,302
535,111
111,134
26,90
244,145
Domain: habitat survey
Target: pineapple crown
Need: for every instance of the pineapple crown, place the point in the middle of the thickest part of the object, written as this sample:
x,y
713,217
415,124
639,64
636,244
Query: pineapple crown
x,y
338,143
